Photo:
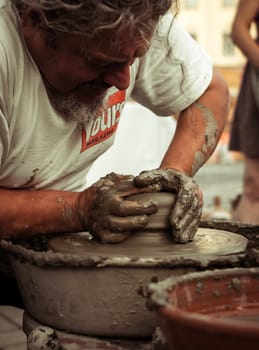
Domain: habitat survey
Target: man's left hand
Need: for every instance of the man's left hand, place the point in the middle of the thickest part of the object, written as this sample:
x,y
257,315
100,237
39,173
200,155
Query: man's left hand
x,y
186,213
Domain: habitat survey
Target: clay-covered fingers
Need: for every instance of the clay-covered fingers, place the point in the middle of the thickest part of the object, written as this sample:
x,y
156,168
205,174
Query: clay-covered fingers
x,y
186,213
114,229
122,207
107,236
105,210
127,223
185,217
151,178
122,218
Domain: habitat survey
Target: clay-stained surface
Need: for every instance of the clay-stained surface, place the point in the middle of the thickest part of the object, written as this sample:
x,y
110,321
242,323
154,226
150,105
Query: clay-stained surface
x,y
94,301
210,247
154,244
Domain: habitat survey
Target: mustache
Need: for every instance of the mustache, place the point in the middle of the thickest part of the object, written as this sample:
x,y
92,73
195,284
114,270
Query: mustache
x,y
95,84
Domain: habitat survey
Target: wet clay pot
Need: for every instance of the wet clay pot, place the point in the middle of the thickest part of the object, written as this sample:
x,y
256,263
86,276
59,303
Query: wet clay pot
x,y
165,202
77,284
209,310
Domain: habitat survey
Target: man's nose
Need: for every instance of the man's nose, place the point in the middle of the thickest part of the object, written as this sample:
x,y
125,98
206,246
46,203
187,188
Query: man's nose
x,y
118,75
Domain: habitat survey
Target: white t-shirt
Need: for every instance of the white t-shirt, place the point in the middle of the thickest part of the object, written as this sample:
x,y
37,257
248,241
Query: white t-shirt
x,y
144,151
40,150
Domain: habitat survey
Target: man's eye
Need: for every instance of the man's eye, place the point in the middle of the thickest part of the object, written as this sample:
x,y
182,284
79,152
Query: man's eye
x,y
99,64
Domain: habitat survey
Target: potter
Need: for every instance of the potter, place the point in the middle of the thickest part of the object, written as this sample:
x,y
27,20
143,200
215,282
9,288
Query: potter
x,y
77,72
76,63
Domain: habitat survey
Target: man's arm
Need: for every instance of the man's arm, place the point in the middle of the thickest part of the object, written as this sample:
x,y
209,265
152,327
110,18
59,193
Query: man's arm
x,y
198,129
101,209
24,212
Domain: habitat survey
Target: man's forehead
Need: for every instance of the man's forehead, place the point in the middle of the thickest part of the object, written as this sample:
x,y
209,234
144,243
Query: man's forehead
x,y
108,50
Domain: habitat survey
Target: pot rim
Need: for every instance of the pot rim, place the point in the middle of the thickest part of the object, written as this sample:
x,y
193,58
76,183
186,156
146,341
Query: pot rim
x,y
50,258
209,324
158,299
158,292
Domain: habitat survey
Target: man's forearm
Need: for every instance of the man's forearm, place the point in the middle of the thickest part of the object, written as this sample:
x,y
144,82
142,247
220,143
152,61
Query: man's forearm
x,y
24,213
198,130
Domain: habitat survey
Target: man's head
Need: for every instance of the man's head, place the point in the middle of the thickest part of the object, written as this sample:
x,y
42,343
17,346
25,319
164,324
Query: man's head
x,y
91,18
83,47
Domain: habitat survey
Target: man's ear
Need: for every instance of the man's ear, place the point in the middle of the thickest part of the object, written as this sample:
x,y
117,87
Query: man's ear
x,y
30,22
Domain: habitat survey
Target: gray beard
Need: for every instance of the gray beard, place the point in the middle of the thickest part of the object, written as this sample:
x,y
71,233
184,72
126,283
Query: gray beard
x,y
70,109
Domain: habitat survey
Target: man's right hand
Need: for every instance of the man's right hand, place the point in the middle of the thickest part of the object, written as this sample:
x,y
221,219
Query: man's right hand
x,y
105,212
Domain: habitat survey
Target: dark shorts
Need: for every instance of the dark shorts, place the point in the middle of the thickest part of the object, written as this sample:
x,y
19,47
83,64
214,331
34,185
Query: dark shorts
x,y
244,135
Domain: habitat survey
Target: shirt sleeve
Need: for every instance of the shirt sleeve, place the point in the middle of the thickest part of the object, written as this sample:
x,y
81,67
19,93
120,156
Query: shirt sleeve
x,y
174,72
5,96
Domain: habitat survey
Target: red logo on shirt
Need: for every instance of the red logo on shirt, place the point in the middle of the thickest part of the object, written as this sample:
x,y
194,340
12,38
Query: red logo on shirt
x,y
104,125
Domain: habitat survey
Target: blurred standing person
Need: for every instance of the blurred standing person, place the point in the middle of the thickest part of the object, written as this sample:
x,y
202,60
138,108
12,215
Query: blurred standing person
x,y
245,128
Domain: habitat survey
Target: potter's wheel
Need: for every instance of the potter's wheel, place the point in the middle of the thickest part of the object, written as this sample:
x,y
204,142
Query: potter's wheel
x,y
94,289
153,244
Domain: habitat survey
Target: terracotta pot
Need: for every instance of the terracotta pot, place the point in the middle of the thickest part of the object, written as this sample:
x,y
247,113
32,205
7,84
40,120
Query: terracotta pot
x,y
209,310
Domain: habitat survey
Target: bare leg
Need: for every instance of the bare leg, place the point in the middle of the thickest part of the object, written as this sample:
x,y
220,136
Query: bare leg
x,y
247,210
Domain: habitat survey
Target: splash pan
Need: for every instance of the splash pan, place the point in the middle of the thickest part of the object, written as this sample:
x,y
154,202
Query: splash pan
x,y
213,310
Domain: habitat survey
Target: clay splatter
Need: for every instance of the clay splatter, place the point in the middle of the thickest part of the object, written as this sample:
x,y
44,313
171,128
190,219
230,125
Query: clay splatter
x,y
210,137
235,283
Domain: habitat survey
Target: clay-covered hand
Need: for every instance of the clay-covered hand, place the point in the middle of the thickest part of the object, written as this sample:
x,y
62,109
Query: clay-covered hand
x,y
105,212
186,213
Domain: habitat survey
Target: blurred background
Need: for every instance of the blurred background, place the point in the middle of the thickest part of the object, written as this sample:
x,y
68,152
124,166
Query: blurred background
x,y
209,23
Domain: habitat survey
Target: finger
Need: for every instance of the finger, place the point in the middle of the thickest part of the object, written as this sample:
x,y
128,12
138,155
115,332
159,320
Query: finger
x,y
106,236
186,234
186,202
185,229
127,223
114,177
149,178
125,207
186,219
193,228
136,190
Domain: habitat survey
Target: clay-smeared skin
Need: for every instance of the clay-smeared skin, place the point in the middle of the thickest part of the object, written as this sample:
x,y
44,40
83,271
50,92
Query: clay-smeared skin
x,y
186,213
109,217
210,137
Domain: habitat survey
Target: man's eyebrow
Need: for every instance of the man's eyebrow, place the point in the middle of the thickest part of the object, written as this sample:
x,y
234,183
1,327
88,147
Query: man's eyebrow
x,y
105,61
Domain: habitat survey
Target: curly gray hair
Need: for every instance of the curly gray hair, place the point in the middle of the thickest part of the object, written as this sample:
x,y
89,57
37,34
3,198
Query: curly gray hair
x,y
92,17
